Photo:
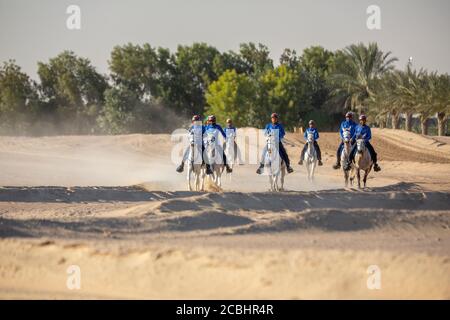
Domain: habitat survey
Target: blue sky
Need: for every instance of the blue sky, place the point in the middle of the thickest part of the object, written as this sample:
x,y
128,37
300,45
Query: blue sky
x,y
32,31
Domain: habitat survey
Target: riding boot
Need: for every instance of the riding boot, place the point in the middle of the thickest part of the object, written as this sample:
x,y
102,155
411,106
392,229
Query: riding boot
x,y
208,169
284,156
180,167
374,157
302,155
259,170
337,165
318,152
229,170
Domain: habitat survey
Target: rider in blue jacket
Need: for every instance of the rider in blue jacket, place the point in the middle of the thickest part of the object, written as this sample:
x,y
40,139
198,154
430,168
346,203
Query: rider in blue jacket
x,y
199,130
312,129
212,125
363,131
229,128
275,125
350,125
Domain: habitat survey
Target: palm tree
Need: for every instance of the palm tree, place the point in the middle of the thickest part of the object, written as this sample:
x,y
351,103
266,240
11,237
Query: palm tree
x,y
413,92
439,99
404,95
356,79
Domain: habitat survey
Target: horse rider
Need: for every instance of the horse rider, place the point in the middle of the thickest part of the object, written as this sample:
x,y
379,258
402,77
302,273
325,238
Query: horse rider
x,y
311,130
347,125
212,125
231,130
363,131
199,130
276,127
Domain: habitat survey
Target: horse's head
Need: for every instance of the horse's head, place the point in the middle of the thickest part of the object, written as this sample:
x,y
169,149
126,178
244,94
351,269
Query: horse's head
x,y
231,137
191,139
310,138
347,136
210,143
360,145
270,142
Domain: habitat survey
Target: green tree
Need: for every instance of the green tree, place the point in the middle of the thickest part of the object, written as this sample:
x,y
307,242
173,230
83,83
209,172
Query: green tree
x,y
256,57
437,99
280,92
316,60
73,90
232,96
18,99
354,79
136,67
192,73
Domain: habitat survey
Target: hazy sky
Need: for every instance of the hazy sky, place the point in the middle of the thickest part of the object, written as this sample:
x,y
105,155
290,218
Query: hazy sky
x,y
32,31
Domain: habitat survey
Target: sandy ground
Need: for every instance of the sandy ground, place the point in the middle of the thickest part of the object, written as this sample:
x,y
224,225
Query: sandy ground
x,y
115,207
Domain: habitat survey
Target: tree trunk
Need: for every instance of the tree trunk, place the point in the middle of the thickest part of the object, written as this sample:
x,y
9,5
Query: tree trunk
x,y
441,118
424,125
383,122
395,120
408,121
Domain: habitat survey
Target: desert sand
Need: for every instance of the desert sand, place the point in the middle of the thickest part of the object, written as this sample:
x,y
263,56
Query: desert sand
x,y
115,207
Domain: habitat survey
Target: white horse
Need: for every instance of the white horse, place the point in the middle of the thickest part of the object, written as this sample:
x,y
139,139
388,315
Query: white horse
x,y
229,149
214,158
310,158
345,154
363,161
276,168
195,167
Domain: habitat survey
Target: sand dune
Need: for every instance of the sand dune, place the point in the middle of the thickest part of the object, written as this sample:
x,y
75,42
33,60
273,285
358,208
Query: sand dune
x,y
115,206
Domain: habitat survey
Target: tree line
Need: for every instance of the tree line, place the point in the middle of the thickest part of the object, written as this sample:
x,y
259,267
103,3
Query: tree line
x,y
151,89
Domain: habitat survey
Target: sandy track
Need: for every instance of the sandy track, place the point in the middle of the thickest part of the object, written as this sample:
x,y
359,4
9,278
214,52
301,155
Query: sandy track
x,y
114,206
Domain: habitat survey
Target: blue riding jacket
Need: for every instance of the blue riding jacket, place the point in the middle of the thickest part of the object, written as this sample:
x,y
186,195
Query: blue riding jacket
x,y
277,126
364,132
348,125
231,129
215,126
313,131
197,127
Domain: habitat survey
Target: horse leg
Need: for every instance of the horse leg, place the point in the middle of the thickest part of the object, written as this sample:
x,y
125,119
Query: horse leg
x,y
197,178
283,173
351,176
366,174
189,177
358,175
202,179
313,170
